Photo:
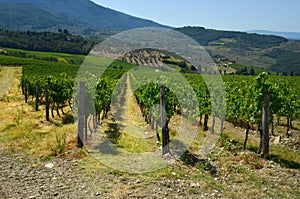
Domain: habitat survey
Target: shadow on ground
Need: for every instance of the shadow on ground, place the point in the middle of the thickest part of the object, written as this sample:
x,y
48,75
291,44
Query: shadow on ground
x,y
113,133
106,147
285,163
190,160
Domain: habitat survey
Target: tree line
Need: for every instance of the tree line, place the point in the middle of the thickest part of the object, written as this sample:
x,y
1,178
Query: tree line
x,y
60,41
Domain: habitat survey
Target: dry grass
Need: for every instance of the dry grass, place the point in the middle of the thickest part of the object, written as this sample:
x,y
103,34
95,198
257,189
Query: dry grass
x,y
24,130
283,155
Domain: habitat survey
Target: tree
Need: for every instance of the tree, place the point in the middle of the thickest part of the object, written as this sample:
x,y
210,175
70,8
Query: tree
x,y
66,32
252,72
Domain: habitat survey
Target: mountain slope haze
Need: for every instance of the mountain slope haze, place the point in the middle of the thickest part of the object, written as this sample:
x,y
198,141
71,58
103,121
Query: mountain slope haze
x,y
71,13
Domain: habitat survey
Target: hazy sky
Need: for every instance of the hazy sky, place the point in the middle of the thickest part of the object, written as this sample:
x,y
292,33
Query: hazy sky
x,y
275,15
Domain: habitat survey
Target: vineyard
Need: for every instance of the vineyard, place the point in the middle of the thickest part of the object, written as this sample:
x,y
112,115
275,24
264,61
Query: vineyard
x,y
97,103
244,95
170,114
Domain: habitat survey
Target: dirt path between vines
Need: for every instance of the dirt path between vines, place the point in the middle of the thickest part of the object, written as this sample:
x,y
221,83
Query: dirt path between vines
x,y
127,114
128,124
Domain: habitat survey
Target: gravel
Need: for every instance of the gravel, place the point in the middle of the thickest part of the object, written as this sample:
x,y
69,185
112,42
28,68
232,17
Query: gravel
x,y
25,177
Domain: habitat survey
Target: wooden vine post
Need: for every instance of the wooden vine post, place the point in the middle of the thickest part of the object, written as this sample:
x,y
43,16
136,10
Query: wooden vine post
x,y
47,103
37,94
25,92
206,117
164,123
81,115
265,126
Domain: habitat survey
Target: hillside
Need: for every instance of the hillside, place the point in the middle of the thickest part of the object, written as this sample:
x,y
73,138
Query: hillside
x,y
80,16
83,17
230,38
31,17
288,35
61,41
263,51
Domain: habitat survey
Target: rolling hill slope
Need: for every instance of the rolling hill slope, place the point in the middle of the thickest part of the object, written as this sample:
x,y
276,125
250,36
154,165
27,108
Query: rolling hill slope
x,y
288,35
86,18
24,16
79,14
262,51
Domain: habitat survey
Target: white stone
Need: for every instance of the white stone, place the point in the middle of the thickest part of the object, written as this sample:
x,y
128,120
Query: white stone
x,y
277,140
49,165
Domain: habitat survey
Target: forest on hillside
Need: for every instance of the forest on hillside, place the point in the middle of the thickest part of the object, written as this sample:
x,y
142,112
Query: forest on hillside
x,y
61,41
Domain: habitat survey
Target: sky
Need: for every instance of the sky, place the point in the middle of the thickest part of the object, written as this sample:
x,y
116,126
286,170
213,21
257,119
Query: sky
x,y
239,15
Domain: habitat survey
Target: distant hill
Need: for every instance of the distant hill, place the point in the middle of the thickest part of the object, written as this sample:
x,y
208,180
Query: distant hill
x,y
231,38
288,35
25,17
61,41
84,17
76,15
263,51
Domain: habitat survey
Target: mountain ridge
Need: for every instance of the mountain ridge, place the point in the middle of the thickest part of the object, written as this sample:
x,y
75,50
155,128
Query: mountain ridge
x,y
262,51
84,17
84,14
288,35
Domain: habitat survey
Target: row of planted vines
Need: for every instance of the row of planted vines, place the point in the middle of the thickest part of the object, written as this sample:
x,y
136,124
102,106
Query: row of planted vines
x,y
52,84
245,98
244,95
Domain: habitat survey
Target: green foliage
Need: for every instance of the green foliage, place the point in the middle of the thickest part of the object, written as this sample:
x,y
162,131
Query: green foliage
x,y
249,49
244,94
23,16
80,16
237,169
60,143
287,61
228,143
45,41
245,97
62,60
242,40
247,70
59,78
287,95
148,94
83,152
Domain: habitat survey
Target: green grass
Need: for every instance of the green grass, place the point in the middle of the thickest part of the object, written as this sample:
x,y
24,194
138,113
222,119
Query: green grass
x,y
42,64
285,157
135,145
46,56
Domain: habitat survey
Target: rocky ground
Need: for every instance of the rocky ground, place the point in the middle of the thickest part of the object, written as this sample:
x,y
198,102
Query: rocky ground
x,y
69,176
24,177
